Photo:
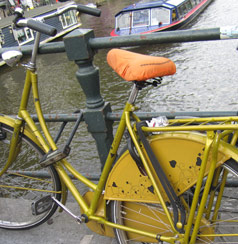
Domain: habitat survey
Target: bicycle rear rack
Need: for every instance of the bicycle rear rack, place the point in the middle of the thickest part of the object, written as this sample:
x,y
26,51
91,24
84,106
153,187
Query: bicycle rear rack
x,y
198,124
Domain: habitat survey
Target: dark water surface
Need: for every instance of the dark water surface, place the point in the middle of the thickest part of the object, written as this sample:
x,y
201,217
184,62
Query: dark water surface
x,y
206,77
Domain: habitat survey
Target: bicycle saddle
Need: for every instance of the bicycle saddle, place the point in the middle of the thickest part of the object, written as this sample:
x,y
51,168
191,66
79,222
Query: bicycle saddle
x,y
138,67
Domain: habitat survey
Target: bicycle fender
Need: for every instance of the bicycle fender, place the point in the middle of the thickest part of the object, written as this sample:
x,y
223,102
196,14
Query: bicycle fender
x,y
11,122
180,155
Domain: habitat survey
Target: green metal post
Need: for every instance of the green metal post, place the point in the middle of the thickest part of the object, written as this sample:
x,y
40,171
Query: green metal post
x,y
78,50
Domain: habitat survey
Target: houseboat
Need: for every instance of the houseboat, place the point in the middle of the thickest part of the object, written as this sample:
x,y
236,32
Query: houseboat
x,y
148,16
11,37
64,23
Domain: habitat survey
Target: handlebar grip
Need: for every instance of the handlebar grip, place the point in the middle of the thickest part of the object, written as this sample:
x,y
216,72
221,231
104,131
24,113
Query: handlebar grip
x,y
86,10
41,27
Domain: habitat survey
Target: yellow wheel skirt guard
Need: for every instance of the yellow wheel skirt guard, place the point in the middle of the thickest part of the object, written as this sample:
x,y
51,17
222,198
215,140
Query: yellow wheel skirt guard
x,y
180,155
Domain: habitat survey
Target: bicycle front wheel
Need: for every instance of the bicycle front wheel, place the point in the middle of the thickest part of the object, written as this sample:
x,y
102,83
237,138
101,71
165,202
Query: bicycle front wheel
x,y
26,188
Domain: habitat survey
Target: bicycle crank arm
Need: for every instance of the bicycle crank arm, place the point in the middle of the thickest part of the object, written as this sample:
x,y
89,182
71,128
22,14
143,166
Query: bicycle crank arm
x,y
77,218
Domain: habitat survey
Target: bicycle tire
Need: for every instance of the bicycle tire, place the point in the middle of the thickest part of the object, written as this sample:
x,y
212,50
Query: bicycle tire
x,y
134,214
21,188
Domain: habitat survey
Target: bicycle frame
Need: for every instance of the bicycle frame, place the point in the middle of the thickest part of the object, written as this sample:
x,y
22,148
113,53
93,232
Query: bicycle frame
x,y
31,83
125,122
212,143
47,144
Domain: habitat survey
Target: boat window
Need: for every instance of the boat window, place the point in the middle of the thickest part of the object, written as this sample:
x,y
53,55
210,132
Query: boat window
x,y
23,35
141,17
193,3
182,10
188,5
185,8
174,15
123,20
160,16
69,18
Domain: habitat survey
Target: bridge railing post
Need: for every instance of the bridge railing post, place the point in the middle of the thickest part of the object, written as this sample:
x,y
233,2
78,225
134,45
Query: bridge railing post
x,y
78,50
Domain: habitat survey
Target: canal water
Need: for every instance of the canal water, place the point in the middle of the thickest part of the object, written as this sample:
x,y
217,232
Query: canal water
x,y
206,77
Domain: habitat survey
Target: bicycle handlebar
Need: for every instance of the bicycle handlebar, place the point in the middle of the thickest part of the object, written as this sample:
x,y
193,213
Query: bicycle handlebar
x,y
37,26
86,10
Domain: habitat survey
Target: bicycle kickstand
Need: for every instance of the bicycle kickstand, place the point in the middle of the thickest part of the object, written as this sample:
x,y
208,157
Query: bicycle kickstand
x,y
78,219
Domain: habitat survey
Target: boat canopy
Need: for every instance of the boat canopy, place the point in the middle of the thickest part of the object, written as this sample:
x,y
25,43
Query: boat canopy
x,y
142,15
147,15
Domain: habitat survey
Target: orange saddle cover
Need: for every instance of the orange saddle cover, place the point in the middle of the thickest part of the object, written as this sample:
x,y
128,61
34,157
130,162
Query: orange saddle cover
x,y
138,67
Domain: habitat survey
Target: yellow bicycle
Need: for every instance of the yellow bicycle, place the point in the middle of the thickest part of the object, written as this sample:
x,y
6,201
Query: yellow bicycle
x,y
174,182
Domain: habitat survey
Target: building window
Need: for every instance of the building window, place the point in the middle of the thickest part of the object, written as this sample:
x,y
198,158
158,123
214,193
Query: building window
x,y
23,35
68,19
1,38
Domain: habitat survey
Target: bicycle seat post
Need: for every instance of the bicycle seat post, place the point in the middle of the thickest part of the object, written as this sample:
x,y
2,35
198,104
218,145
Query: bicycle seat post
x,y
32,64
133,94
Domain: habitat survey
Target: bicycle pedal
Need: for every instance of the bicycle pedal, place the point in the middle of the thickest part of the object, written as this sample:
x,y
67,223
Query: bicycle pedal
x,y
42,205
55,156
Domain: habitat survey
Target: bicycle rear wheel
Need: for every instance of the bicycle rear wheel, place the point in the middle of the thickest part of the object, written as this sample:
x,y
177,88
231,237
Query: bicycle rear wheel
x,y
26,188
151,217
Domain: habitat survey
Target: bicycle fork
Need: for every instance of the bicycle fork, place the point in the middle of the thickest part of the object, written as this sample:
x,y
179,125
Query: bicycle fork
x,y
15,145
24,117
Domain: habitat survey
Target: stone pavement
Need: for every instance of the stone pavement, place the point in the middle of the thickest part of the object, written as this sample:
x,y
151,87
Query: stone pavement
x,y
60,229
